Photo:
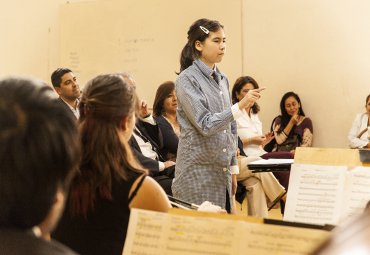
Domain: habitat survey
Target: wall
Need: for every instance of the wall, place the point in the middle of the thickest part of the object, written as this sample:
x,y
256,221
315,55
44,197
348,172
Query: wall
x,y
30,37
143,39
319,49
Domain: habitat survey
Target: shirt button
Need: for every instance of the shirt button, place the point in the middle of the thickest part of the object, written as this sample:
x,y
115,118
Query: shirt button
x,y
225,131
224,169
224,150
220,92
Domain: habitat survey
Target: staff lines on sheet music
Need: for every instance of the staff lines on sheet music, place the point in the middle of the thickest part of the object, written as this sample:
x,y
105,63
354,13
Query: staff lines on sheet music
x,y
302,212
145,244
136,252
181,229
360,183
281,234
146,226
360,192
320,218
263,247
319,201
195,251
320,176
198,240
315,206
139,234
320,194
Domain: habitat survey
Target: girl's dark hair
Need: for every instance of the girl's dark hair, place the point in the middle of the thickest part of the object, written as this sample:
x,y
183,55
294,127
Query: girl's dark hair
x,y
285,117
367,99
162,93
189,53
238,86
106,100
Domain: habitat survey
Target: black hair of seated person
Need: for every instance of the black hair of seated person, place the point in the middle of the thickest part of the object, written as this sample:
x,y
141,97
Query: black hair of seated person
x,y
285,117
39,151
56,76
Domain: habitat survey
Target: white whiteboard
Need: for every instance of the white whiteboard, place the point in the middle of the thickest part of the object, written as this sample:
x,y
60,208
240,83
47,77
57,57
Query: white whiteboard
x,y
144,38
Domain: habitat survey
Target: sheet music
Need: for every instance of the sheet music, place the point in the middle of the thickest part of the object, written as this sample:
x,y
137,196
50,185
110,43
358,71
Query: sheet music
x,y
174,234
358,191
315,194
266,239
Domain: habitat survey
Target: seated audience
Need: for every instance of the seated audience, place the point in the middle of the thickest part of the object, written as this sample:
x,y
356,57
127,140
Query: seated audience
x,y
251,139
249,125
39,153
147,143
292,128
66,85
110,181
164,109
259,186
359,135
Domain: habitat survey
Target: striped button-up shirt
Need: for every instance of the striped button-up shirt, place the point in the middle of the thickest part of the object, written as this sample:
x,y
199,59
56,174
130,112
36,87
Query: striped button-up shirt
x,y
208,140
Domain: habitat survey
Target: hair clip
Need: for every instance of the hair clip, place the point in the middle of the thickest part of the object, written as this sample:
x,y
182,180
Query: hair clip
x,y
205,30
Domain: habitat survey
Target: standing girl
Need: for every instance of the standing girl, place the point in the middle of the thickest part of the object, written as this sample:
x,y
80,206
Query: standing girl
x,y
206,156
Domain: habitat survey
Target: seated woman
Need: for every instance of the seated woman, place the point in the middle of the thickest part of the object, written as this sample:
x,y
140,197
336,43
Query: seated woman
x,y
249,125
292,129
258,185
359,135
110,181
164,109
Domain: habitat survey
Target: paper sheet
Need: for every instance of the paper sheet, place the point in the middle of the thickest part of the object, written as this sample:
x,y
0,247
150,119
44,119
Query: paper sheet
x,y
161,233
358,194
315,194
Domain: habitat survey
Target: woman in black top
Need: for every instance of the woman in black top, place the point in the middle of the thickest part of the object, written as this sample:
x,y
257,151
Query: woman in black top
x,y
110,181
164,108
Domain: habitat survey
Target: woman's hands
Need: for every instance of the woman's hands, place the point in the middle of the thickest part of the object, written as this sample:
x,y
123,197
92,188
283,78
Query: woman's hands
x,y
259,140
295,119
250,98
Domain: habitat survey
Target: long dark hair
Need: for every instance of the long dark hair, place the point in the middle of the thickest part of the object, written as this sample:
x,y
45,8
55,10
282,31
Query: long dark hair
x,y
285,117
162,93
367,99
189,53
238,86
106,100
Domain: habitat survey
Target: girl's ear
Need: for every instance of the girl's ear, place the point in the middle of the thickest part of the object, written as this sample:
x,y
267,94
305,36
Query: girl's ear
x,y
124,123
198,46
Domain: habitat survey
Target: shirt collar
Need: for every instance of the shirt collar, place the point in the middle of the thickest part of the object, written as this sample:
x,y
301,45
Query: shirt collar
x,y
76,111
206,70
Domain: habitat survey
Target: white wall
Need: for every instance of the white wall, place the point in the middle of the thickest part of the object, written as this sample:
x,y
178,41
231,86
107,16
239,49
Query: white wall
x,y
30,38
319,49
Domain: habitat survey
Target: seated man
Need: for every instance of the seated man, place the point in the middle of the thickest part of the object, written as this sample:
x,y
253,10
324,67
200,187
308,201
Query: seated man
x,y
39,153
146,143
66,85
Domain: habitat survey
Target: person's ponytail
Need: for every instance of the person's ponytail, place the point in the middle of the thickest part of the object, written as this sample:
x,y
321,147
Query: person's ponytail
x,y
186,57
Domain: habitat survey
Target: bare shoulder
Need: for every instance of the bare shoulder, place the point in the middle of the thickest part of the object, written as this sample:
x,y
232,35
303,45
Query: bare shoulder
x,y
150,196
